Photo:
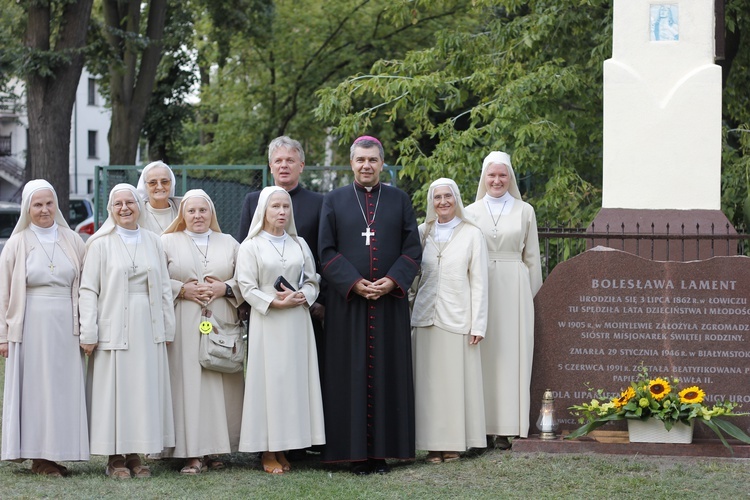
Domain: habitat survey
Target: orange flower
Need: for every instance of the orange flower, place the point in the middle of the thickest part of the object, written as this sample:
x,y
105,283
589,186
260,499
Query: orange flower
x,y
659,388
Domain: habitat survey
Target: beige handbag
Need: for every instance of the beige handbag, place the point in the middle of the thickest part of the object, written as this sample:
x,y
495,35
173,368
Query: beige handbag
x,y
218,351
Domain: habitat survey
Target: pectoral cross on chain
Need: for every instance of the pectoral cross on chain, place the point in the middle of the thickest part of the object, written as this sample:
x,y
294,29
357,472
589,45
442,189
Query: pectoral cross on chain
x,y
51,267
367,235
135,267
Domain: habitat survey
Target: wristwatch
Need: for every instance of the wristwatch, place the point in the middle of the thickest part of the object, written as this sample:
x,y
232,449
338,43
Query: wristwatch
x,y
229,292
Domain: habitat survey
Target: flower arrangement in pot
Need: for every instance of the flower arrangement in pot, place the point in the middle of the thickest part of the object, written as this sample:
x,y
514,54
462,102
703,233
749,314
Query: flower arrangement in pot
x,y
658,398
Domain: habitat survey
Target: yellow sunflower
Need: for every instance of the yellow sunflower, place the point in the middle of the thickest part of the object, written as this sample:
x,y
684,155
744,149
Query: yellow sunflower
x,y
692,395
625,396
659,388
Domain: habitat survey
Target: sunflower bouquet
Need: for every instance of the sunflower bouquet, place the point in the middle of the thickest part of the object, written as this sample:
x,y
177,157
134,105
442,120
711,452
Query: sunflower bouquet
x,y
662,399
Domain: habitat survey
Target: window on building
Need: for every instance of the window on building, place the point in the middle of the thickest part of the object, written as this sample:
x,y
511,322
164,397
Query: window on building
x,y
5,145
92,144
89,186
92,92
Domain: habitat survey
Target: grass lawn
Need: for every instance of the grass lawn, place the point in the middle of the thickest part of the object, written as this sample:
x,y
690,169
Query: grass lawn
x,y
495,474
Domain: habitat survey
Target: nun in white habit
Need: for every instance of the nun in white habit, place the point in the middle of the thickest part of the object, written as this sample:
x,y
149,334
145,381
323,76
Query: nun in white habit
x,y
283,408
207,404
156,188
127,320
449,317
44,406
515,274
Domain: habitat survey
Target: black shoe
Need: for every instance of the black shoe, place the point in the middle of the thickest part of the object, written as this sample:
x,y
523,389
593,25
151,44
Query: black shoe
x,y
296,455
379,466
361,468
476,452
490,442
502,443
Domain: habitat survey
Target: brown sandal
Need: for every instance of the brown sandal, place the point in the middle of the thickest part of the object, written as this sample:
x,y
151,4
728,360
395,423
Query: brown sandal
x,y
281,458
434,457
194,469
46,468
116,469
213,463
451,456
270,464
63,470
137,468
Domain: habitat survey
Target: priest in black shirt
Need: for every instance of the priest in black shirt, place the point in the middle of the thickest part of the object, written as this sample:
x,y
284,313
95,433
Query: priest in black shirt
x,y
370,253
286,159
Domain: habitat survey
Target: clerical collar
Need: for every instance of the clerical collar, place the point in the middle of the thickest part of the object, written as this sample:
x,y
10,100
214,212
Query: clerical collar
x,y
273,238
443,231
45,234
499,201
499,206
368,189
199,238
129,236
455,221
295,189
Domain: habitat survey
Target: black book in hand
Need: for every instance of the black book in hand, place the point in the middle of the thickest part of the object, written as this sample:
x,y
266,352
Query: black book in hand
x,y
281,280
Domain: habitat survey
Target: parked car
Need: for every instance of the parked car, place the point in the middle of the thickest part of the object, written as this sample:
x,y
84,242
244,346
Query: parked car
x,y
81,217
9,214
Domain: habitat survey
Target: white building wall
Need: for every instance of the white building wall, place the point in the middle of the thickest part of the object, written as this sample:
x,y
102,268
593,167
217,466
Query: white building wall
x,y
15,122
88,118
85,118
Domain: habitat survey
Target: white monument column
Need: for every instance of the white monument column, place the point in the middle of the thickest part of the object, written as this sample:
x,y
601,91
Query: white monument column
x,y
662,107
662,133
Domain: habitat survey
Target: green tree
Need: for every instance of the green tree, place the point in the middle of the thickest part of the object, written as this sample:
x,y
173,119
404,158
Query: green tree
x,y
170,107
735,179
131,51
265,83
218,25
50,60
524,78
11,23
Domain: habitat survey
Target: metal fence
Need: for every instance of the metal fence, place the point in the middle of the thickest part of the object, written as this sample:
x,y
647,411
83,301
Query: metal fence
x,y
227,185
559,243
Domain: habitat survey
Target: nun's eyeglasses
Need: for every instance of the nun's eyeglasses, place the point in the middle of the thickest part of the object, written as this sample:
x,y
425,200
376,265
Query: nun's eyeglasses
x,y
118,204
441,197
163,182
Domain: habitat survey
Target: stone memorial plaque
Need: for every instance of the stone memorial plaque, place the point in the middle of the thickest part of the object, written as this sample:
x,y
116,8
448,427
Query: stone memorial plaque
x,y
603,313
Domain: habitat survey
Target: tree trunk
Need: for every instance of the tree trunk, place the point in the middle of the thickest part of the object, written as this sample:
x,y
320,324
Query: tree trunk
x,y
50,96
204,114
132,76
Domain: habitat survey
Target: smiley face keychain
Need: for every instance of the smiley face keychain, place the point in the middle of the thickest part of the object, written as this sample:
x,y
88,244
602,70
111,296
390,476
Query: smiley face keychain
x,y
205,327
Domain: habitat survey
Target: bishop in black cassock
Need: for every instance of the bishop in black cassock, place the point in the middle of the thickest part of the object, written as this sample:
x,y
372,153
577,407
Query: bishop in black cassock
x,y
368,393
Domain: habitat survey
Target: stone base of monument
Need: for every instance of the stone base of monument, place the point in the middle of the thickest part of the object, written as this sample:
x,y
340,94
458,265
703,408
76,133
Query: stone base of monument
x,y
680,235
615,446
